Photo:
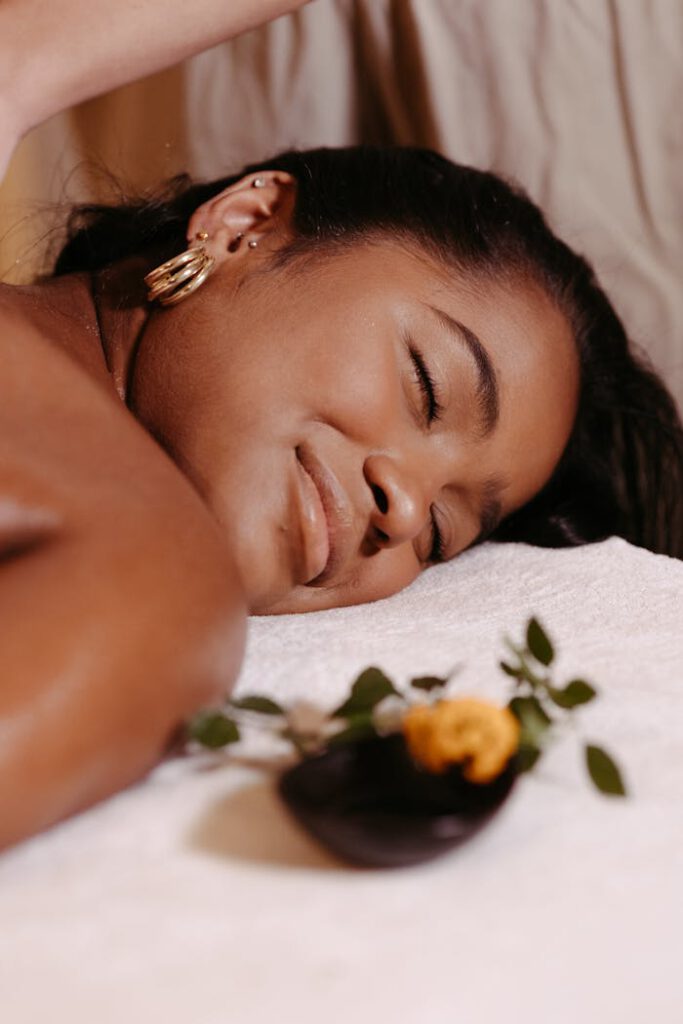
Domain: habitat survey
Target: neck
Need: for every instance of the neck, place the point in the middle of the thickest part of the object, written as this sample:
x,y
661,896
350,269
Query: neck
x,y
62,312
119,302
85,315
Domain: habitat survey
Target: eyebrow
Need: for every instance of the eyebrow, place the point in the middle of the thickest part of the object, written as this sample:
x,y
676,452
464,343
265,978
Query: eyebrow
x,y
487,389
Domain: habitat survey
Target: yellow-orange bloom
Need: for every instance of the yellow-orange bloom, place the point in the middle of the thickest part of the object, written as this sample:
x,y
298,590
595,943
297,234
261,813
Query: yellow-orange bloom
x,y
475,733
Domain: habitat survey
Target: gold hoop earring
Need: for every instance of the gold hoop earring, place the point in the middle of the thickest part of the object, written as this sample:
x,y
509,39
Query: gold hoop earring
x,y
179,277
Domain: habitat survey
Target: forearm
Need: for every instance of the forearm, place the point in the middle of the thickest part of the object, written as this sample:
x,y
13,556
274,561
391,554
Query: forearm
x,y
54,55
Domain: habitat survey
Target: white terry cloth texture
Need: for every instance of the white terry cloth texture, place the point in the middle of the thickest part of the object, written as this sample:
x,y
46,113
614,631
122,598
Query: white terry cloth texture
x,y
194,897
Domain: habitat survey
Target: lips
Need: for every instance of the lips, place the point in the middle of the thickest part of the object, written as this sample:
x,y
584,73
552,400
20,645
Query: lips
x,y
324,513
315,539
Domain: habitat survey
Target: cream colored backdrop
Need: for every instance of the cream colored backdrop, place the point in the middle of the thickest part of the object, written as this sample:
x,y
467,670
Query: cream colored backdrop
x,y
579,100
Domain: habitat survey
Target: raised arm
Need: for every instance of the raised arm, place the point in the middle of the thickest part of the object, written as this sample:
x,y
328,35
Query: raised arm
x,y
56,54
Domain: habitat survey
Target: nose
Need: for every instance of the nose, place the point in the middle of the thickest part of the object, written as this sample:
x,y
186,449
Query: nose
x,y
400,506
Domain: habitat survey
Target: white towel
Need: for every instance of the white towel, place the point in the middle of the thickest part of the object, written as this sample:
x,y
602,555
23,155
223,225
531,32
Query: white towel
x,y
193,897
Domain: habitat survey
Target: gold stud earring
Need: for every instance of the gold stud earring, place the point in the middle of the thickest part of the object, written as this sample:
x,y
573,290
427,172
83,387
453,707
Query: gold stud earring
x,y
182,275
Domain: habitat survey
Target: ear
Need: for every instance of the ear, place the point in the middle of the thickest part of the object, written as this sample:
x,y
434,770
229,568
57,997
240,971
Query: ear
x,y
257,209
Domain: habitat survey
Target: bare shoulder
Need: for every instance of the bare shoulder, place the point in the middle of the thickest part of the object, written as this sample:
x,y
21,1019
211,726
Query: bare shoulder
x,y
68,445
77,463
120,608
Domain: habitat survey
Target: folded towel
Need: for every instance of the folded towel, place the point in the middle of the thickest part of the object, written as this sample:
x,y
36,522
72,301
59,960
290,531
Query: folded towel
x,y
193,897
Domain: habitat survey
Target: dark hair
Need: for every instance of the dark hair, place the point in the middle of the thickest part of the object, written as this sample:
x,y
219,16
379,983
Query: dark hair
x,y
622,470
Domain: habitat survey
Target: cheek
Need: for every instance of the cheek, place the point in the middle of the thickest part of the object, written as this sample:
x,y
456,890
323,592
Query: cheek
x,y
338,359
382,575
357,392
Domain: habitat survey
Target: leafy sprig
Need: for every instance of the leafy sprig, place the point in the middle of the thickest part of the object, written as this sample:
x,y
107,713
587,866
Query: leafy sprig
x,y
354,719
538,702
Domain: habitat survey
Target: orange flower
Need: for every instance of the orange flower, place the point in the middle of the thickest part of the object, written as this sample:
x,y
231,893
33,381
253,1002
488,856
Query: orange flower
x,y
475,733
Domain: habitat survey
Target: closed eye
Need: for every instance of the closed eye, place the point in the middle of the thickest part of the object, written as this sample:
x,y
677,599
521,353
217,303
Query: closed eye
x,y
425,381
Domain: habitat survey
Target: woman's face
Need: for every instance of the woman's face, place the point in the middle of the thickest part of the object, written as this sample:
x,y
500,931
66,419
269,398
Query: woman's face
x,y
353,420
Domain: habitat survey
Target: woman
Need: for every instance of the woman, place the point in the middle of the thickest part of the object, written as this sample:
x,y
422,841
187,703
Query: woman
x,y
391,356
376,360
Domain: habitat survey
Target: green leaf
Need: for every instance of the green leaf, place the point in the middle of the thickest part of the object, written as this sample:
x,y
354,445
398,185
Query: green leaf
x,y
538,643
360,727
574,693
213,730
428,683
510,670
527,756
604,772
263,705
533,719
369,689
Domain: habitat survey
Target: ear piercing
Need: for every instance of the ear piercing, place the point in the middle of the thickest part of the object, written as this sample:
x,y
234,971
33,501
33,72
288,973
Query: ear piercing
x,y
235,244
256,183
179,277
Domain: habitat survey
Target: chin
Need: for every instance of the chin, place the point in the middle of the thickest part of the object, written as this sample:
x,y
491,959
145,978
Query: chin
x,y
287,601
268,600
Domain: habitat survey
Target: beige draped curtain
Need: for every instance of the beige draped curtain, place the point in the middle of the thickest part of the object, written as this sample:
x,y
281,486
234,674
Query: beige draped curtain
x,y
578,100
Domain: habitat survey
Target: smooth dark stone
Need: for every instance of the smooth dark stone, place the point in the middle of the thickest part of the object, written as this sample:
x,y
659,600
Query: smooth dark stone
x,y
371,805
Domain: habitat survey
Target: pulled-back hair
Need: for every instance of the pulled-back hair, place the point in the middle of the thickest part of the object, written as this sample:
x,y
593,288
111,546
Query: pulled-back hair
x,y
622,469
